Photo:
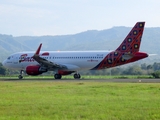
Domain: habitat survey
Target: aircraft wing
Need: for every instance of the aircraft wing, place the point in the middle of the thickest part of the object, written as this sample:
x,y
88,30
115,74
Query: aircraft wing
x,y
46,63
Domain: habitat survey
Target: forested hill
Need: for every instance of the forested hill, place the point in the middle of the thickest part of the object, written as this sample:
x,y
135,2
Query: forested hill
x,y
108,39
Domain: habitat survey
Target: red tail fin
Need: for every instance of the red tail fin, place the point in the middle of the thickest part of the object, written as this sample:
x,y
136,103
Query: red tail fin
x,y
131,43
128,51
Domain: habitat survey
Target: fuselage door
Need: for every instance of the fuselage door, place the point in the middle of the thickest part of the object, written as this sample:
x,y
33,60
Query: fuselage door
x,y
15,59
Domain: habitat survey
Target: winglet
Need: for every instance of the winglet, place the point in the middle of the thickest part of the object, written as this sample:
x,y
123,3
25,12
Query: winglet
x,y
38,50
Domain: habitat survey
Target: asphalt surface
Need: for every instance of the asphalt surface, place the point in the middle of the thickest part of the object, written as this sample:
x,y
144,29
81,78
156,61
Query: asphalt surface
x,y
90,80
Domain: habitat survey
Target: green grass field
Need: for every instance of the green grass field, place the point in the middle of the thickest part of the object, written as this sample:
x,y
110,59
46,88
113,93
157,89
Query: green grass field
x,y
50,100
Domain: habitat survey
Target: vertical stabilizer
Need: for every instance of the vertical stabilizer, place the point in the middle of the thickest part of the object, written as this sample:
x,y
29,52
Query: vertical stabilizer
x,y
132,42
128,51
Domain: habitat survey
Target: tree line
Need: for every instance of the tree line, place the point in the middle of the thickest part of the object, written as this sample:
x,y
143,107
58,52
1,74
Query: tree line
x,y
143,69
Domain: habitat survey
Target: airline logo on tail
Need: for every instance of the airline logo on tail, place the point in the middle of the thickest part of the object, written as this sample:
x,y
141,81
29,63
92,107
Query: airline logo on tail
x,y
128,51
132,42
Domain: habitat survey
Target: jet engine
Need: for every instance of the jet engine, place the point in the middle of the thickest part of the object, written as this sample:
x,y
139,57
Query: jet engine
x,y
35,70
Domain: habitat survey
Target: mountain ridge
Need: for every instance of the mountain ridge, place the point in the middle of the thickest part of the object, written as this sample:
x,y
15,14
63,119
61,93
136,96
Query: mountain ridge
x,y
108,39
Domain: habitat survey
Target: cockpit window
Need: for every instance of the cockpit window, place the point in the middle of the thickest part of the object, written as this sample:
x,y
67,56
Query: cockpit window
x,y
9,58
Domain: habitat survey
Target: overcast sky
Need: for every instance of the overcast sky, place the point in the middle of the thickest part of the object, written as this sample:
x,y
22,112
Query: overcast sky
x,y
62,17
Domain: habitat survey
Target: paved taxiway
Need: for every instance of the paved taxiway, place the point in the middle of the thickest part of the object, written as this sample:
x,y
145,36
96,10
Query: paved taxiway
x,y
91,80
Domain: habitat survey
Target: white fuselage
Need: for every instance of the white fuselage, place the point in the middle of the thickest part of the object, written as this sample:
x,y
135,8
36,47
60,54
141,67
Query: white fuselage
x,y
74,60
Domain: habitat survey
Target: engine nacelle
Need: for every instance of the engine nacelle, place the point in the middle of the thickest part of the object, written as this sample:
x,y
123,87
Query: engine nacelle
x,y
35,70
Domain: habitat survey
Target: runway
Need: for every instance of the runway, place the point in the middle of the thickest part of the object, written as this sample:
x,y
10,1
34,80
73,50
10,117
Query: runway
x,y
88,80
115,80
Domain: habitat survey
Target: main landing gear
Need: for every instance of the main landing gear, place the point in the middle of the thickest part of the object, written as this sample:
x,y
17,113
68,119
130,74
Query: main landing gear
x,y
21,75
59,76
77,76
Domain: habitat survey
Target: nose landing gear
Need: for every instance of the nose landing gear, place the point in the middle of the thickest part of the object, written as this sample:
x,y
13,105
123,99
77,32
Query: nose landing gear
x,y
21,75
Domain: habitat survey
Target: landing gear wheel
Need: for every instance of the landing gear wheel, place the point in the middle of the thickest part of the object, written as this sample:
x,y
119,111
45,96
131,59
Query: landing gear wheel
x,y
57,76
77,76
20,77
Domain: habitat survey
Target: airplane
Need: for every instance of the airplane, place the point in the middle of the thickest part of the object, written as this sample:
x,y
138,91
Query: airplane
x,y
68,62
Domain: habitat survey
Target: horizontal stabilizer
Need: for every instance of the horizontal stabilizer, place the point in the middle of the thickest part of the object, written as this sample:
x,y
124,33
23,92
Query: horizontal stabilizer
x,y
127,56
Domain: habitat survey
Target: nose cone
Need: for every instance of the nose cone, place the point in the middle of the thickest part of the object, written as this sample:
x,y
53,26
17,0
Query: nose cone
x,y
4,63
